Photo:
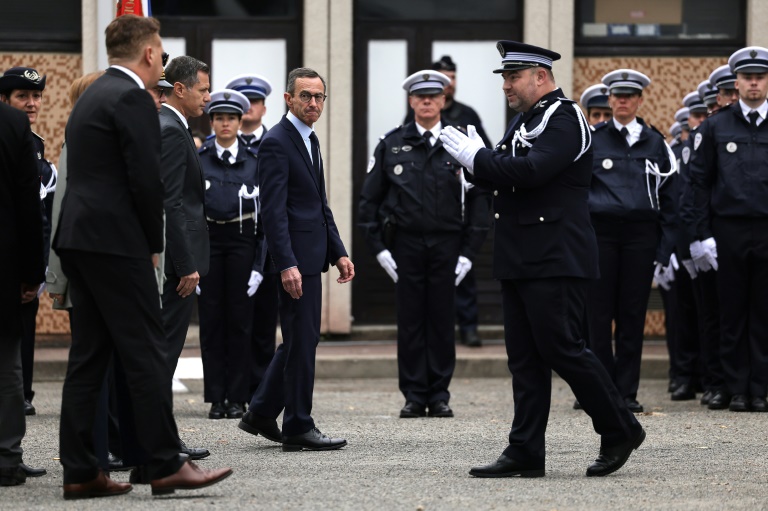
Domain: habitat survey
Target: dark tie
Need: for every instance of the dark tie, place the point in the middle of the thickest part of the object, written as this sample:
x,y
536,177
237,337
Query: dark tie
x,y
624,132
248,139
315,154
753,115
225,156
428,137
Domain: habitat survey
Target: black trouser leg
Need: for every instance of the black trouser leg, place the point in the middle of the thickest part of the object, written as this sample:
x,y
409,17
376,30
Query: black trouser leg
x,y
28,325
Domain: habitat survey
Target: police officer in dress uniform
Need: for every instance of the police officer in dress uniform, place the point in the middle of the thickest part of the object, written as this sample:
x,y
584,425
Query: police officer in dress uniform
x,y
680,302
729,174
725,82
416,188
632,206
225,302
264,330
594,100
22,88
545,253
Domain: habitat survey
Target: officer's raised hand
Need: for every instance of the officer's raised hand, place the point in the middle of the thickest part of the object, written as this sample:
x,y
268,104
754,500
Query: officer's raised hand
x,y
388,263
462,147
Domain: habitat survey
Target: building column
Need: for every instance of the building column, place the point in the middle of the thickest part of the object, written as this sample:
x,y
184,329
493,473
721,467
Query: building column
x,y
328,26
550,24
96,15
757,19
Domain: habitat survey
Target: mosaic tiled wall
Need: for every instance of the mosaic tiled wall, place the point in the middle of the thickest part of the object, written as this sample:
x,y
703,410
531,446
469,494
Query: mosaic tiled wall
x,y
61,69
671,79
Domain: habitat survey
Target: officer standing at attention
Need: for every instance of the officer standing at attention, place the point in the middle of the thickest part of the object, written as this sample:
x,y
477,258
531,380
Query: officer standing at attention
x,y
729,174
545,254
264,330
225,302
594,100
725,82
22,88
632,205
415,187
256,88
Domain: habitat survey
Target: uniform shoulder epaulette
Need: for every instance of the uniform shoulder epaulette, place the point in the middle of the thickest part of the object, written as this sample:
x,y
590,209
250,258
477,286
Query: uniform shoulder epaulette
x,y
653,128
721,110
385,135
566,100
599,125
209,137
38,136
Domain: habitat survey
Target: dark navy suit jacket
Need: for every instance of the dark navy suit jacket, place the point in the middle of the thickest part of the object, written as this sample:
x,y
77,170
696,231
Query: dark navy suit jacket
x,y
298,223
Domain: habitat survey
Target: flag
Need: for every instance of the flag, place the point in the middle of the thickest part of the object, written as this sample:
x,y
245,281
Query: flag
x,y
137,7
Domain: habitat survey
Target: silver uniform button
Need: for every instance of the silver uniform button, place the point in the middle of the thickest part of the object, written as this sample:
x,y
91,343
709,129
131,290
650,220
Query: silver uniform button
x,y
504,147
541,219
496,216
398,169
495,193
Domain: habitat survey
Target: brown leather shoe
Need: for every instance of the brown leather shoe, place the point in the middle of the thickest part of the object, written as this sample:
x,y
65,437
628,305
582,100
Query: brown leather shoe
x,y
189,477
102,486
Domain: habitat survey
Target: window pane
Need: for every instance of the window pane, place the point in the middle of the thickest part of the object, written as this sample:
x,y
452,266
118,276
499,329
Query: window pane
x,y
54,20
453,10
661,19
226,8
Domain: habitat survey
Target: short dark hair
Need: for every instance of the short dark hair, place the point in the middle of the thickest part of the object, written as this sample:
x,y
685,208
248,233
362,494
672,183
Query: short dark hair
x,y
184,70
212,114
127,34
302,72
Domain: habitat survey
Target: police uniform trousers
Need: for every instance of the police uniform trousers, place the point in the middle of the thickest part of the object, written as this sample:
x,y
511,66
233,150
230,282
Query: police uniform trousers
x,y
742,282
687,349
12,420
111,314
626,251
466,303
290,378
28,326
264,330
426,351
670,302
226,313
708,306
543,331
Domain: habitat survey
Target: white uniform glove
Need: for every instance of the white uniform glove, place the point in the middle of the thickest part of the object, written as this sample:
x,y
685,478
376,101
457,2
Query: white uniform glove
x,y
665,275
462,147
197,290
690,267
253,282
462,268
704,254
385,260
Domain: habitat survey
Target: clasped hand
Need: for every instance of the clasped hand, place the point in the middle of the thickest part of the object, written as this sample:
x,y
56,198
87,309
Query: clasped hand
x,y
462,147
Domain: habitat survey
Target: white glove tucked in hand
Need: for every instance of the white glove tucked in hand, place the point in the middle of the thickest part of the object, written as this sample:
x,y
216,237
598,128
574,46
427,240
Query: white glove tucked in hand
x,y
197,290
704,254
462,268
388,263
690,267
462,147
253,282
665,275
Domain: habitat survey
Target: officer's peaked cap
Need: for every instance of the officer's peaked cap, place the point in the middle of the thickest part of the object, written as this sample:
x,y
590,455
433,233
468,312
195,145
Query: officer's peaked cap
x,y
515,55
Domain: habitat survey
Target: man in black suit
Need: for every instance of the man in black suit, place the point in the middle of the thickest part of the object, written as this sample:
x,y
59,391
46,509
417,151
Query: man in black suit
x,y
21,258
109,235
545,253
303,240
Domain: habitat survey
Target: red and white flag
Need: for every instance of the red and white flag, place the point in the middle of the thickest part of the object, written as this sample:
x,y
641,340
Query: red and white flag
x,y
137,7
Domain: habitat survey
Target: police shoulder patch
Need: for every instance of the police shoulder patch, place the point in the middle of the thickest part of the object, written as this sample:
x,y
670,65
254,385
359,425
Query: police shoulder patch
x,y
385,135
371,164
697,141
686,154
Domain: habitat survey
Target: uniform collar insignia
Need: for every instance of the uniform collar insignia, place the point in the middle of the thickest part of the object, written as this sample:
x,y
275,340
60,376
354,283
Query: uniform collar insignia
x,y
540,104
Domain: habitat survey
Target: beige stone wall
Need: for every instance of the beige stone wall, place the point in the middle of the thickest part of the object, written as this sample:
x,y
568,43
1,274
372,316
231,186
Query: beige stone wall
x,y
61,69
671,79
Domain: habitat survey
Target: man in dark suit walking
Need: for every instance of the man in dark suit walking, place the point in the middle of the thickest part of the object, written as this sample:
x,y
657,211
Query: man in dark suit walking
x,y
303,241
545,253
21,258
109,235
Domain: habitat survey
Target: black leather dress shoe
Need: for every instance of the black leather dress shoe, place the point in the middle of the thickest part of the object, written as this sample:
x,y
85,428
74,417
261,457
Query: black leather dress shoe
x,y
440,409
684,392
471,339
613,458
633,405
235,410
759,404
12,476
312,440
412,409
719,400
116,464
506,467
29,408
706,397
194,453
32,472
739,403
673,385
255,425
217,411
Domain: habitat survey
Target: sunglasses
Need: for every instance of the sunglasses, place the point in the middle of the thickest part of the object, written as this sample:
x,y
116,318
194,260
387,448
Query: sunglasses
x,y
165,59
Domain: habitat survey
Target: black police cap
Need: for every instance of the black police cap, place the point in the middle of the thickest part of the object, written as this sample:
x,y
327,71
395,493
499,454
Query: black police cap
x,y
24,78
